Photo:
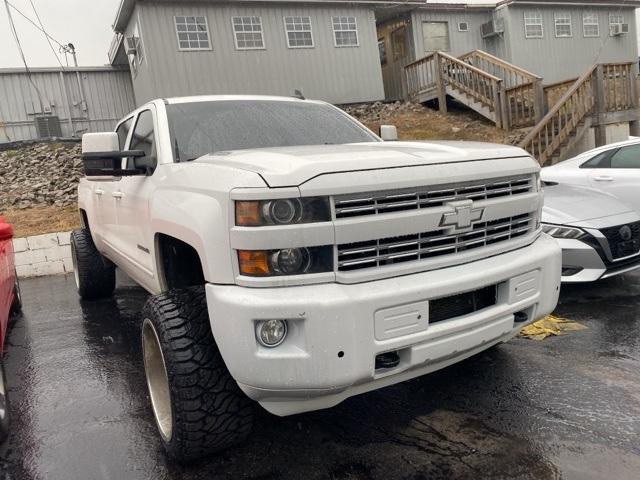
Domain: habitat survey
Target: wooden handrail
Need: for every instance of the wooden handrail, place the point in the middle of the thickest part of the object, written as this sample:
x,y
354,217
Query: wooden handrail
x,y
477,70
565,116
420,60
502,63
551,86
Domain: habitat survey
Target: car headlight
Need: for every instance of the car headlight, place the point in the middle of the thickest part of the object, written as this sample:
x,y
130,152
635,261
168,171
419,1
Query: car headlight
x,y
282,211
286,261
561,231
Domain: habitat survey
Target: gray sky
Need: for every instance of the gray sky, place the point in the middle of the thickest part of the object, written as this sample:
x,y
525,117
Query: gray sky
x,y
85,23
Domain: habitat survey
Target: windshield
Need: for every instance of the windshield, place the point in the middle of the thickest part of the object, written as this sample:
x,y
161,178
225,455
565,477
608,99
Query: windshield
x,y
198,128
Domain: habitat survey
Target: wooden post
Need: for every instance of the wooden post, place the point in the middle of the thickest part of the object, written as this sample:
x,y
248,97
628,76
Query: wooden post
x,y
600,129
539,102
442,92
634,125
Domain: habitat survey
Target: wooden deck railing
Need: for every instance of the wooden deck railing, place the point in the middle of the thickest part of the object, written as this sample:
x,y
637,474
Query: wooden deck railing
x,y
618,90
523,90
422,75
438,70
483,87
554,91
562,120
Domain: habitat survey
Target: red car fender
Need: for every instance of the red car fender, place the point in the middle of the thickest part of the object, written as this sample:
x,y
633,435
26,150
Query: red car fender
x,y
7,272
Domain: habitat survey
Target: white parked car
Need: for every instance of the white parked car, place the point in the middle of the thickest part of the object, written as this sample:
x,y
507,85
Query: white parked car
x,y
613,169
599,235
296,259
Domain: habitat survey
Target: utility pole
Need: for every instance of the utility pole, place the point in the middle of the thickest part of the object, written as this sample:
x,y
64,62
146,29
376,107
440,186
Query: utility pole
x,y
72,50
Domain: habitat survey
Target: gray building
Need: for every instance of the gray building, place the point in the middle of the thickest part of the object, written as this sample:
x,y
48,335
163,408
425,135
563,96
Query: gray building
x,y
554,39
326,49
46,102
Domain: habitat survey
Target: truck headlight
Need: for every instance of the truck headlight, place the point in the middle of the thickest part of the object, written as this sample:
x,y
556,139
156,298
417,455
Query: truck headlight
x,y
287,261
282,211
561,231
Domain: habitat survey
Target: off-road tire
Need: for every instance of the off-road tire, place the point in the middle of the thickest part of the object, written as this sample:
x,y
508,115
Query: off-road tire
x,y
4,405
209,412
95,277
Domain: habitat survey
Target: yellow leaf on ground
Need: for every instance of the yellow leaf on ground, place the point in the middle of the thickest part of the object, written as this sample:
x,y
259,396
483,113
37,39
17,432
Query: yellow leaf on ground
x,y
550,325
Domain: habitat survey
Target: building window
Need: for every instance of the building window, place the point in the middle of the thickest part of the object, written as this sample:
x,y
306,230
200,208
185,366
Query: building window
x,y
563,24
590,24
345,32
193,33
463,27
248,33
615,19
533,25
298,30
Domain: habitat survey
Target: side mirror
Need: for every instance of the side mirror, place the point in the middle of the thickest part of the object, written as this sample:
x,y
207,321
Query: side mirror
x,y
388,133
102,156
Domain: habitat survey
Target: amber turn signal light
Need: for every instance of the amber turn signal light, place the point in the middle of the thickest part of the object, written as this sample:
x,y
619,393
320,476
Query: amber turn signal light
x,y
253,262
248,213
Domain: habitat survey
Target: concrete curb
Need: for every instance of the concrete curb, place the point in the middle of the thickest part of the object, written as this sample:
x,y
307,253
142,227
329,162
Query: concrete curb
x,y
39,255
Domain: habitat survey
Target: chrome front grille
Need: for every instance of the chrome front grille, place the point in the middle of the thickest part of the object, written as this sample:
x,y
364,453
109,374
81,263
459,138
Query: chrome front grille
x,y
407,248
357,205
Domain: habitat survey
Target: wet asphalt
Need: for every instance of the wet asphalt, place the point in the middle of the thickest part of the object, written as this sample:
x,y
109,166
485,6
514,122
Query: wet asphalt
x,y
566,407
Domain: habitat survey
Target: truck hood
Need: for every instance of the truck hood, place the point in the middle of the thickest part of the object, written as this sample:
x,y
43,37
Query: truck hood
x,y
584,207
293,166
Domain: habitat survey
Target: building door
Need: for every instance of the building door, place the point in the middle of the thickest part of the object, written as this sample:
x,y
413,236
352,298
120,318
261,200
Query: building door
x,y
435,36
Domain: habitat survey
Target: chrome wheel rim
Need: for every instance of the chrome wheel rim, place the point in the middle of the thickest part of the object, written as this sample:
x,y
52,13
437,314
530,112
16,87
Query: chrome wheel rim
x,y
157,379
74,262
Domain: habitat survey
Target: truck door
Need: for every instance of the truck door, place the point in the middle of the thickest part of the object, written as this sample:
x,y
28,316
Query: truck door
x,y
132,200
106,225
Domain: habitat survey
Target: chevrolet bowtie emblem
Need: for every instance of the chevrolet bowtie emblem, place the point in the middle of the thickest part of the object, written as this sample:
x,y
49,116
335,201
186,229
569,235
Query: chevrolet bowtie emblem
x,y
463,215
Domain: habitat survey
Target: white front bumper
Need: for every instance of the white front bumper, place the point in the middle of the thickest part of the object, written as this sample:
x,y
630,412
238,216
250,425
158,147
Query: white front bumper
x,y
336,330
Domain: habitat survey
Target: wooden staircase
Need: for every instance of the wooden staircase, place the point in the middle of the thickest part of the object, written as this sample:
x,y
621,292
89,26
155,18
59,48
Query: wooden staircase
x,y
506,94
595,99
512,97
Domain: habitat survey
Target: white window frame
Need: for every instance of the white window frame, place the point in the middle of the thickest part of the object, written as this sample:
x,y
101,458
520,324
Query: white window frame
x,y
463,23
529,20
333,27
561,19
613,16
588,21
193,49
286,32
235,33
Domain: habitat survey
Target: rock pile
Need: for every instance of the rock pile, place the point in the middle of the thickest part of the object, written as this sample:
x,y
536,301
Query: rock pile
x,y
374,112
40,174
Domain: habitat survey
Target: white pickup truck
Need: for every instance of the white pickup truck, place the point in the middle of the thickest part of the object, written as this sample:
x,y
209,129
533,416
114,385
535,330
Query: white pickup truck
x,y
297,259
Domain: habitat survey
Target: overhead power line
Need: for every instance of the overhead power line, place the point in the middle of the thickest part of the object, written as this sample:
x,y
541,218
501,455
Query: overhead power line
x,y
17,10
21,52
46,35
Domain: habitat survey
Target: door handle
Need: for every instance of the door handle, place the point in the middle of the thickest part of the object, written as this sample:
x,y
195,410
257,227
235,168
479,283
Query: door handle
x,y
98,191
118,195
603,178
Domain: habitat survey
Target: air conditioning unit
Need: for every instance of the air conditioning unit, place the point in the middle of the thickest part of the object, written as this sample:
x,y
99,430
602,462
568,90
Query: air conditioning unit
x,y
619,29
492,28
130,45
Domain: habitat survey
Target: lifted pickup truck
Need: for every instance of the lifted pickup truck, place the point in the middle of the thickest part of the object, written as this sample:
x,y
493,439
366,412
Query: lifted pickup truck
x,y
297,259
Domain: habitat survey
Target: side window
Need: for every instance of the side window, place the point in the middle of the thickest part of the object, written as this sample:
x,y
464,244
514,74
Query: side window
x,y
627,157
143,138
601,160
123,132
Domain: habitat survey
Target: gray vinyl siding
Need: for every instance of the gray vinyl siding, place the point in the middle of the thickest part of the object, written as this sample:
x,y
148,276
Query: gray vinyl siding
x,y
556,59
459,42
106,95
334,74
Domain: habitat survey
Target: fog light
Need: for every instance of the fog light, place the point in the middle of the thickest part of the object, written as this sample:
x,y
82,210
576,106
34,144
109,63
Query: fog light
x,y
271,333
